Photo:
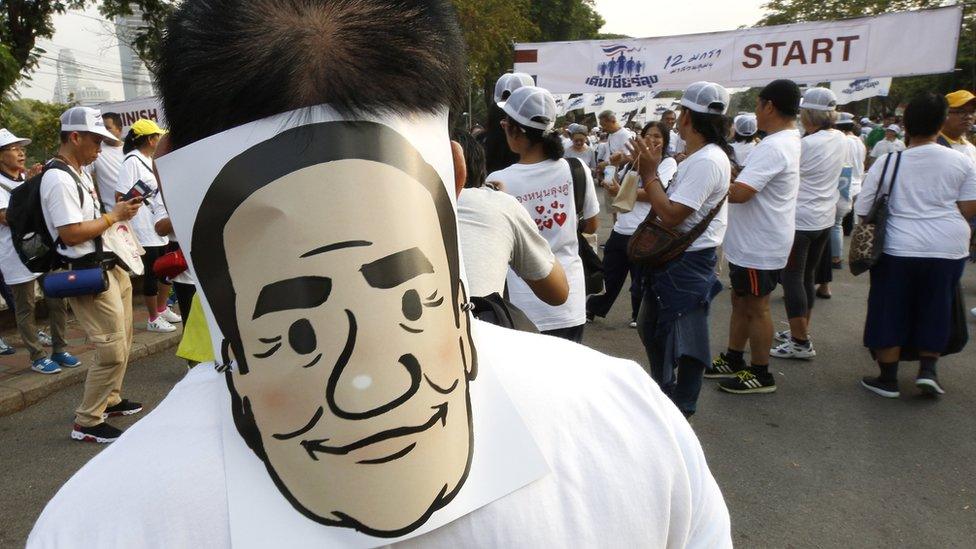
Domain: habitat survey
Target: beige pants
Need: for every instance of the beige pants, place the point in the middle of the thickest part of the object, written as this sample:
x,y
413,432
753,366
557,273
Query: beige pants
x,y
24,302
107,320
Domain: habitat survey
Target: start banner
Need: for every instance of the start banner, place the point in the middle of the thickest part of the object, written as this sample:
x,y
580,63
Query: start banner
x,y
895,44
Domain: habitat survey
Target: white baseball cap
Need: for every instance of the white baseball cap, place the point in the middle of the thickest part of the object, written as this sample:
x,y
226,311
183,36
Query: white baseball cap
x,y
85,119
7,138
865,121
819,99
893,128
531,107
845,118
706,98
510,82
745,124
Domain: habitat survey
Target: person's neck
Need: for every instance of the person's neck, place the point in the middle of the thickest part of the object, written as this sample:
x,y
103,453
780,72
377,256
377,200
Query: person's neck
x,y
780,124
694,143
532,156
954,136
10,173
917,141
615,129
68,155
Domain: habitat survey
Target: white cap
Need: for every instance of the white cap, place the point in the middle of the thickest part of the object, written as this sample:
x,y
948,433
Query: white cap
x,y
7,138
845,118
819,99
510,82
578,128
706,98
85,119
745,124
531,107
893,128
865,121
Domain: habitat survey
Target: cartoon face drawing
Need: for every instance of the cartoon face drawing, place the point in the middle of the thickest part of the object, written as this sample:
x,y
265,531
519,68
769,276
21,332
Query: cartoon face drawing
x,y
334,277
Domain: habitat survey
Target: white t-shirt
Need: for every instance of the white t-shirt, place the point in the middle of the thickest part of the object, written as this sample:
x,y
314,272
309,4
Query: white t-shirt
x,y
496,232
626,468
884,147
105,172
676,145
137,167
627,222
587,155
602,152
159,213
923,218
617,141
822,158
857,153
59,202
760,232
966,148
545,190
13,269
702,182
742,150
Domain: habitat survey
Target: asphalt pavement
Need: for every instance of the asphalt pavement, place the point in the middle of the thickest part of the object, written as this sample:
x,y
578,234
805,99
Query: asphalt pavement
x,y
819,463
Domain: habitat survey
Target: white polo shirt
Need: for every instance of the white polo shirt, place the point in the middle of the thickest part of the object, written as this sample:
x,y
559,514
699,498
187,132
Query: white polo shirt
x,y
61,206
14,271
137,167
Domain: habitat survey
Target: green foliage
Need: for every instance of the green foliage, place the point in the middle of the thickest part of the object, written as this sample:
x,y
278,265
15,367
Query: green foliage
x,y
902,89
34,120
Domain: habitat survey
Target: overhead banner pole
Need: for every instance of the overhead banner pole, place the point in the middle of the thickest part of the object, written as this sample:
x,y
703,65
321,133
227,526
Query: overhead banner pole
x,y
894,44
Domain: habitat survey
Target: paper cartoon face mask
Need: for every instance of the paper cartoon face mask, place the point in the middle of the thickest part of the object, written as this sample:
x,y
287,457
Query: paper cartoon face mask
x,y
328,255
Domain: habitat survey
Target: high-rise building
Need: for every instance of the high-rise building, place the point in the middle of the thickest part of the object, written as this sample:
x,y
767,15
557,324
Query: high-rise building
x,y
89,96
135,77
68,72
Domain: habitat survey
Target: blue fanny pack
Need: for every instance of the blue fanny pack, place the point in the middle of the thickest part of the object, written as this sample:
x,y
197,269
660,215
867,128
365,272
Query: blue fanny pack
x,y
74,283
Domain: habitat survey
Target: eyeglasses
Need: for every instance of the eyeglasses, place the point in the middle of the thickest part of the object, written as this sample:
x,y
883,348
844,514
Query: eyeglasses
x,y
962,112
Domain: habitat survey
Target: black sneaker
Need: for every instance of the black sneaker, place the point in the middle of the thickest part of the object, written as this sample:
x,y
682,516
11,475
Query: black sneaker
x,y
102,433
881,387
722,368
928,383
124,408
746,382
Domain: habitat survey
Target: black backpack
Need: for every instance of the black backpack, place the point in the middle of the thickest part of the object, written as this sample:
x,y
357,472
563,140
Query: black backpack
x,y
592,264
495,309
25,217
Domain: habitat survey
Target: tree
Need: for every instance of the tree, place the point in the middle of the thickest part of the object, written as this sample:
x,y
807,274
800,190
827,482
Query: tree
x,y
22,22
902,89
35,120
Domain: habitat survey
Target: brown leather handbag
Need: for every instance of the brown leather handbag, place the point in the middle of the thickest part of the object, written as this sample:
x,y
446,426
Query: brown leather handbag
x,y
654,245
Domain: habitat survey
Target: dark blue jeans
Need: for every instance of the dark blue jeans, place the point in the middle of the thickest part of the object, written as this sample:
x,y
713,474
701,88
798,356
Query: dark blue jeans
x,y
616,267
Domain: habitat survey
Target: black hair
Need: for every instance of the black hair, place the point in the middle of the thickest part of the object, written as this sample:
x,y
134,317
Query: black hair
x,y
65,136
552,144
784,95
115,117
133,142
665,134
713,127
925,114
497,154
224,63
739,138
474,159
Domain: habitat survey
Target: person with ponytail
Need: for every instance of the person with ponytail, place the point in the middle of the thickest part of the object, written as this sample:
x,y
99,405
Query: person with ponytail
x,y
497,154
139,146
542,181
673,320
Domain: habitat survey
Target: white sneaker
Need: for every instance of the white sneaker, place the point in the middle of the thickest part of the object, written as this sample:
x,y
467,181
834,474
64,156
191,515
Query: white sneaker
x,y
973,311
633,324
170,316
160,325
44,339
783,336
790,349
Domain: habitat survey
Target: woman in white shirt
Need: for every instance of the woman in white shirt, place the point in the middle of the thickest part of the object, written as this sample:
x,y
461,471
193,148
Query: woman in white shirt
x,y
823,151
138,147
616,264
744,140
914,283
674,314
542,182
579,147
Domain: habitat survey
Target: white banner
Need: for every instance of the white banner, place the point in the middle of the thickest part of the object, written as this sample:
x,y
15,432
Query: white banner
x,y
657,107
130,111
849,91
896,44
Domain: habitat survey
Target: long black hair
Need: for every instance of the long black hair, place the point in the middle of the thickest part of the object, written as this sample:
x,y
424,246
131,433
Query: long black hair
x,y
133,142
552,144
665,134
713,127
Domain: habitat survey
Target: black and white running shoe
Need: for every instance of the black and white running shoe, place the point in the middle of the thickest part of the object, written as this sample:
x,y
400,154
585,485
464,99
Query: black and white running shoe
x,y
880,387
746,382
928,383
102,433
124,408
722,368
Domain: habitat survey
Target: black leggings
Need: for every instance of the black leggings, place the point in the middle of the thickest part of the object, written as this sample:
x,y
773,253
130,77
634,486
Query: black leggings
x,y
184,296
616,267
150,282
798,276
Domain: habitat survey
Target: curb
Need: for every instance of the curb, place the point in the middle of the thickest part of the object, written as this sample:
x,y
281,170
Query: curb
x,y
29,388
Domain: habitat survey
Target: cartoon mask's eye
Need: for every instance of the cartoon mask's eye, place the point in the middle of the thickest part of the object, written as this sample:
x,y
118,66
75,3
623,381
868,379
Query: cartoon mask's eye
x,y
412,309
301,337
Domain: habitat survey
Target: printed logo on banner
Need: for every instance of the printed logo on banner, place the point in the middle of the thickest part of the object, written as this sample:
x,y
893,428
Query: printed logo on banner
x,y
695,61
598,100
624,67
631,97
860,85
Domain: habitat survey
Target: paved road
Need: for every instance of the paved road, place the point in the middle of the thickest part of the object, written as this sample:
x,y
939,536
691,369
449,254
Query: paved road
x,y
820,463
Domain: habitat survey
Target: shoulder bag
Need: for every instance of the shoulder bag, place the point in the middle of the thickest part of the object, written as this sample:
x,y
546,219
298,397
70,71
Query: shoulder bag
x,y
592,264
627,194
867,238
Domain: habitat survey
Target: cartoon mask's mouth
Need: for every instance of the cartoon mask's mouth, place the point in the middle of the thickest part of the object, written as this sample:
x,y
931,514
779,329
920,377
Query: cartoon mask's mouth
x,y
315,447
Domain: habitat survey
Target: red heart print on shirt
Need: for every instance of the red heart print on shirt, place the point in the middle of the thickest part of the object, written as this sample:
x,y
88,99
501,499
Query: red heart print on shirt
x,y
540,209
560,218
555,204
548,223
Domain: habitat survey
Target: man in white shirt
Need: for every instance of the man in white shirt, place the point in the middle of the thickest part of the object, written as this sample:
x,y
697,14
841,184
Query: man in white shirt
x,y
72,212
105,169
619,452
962,115
676,145
617,139
762,220
890,143
22,282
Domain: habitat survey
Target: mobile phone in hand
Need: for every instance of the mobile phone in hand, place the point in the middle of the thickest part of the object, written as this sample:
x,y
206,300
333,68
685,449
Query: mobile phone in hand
x,y
141,191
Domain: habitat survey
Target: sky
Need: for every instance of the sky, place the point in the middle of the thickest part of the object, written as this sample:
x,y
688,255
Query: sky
x,y
95,47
